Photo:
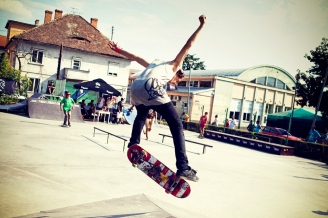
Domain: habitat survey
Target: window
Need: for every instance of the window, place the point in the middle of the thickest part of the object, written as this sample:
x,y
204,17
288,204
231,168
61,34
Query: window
x,y
113,68
34,87
193,83
37,56
205,84
261,80
76,64
185,105
271,82
174,103
280,84
247,116
234,113
182,83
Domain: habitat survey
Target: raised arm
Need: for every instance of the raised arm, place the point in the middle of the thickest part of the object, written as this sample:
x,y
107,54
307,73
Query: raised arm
x,y
177,62
127,54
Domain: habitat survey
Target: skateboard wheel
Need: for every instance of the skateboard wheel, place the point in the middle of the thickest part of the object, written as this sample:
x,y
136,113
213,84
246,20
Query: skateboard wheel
x,y
134,165
143,152
167,191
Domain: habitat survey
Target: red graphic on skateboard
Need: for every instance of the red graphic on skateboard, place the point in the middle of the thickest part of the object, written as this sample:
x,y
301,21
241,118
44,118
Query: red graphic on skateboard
x,y
158,172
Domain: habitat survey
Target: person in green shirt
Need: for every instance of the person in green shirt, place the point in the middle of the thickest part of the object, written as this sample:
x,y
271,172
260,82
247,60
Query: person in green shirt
x,y
68,105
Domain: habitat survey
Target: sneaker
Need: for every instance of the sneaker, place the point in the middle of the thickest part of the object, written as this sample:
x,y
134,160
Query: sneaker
x,y
64,125
69,125
200,136
188,174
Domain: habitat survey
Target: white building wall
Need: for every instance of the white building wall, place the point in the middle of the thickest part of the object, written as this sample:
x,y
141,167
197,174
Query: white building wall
x,y
96,64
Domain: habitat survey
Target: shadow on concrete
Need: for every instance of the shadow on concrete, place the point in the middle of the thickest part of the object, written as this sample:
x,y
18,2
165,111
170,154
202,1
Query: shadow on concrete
x,y
39,123
95,143
160,143
321,212
118,215
322,165
130,206
324,180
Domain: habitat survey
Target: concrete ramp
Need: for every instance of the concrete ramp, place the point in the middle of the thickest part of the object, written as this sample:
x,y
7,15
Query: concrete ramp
x,y
49,110
131,206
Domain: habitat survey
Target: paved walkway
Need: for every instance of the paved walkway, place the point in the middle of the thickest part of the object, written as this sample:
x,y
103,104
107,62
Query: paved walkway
x,y
66,172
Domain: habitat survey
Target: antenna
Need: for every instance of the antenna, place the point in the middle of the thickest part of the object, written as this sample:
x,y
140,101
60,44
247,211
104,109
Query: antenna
x,y
111,39
74,11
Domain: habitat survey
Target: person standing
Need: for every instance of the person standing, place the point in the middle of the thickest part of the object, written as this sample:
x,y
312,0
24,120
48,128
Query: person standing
x,y
119,113
68,105
202,124
227,123
149,122
313,135
258,127
148,91
232,123
250,126
216,121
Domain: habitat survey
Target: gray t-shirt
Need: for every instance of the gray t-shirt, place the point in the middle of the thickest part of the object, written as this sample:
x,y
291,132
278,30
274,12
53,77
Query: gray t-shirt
x,y
150,86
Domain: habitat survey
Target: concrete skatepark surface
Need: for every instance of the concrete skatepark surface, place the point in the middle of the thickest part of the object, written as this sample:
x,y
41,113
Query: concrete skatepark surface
x,y
49,171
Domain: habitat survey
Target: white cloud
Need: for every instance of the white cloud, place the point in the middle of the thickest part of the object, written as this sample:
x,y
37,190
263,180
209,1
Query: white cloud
x,y
15,7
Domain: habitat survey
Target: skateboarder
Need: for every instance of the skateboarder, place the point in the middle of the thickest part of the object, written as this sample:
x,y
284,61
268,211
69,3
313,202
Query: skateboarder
x,y
148,91
68,105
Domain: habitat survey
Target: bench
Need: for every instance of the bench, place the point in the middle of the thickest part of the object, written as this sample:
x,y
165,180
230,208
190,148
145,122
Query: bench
x,y
108,133
198,143
268,147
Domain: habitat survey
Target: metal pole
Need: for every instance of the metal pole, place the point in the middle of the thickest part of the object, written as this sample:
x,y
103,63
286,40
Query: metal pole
x,y
224,123
291,117
188,102
319,100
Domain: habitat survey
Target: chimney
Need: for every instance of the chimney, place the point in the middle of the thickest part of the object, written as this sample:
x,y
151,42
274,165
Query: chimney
x,y
94,22
37,22
58,14
47,16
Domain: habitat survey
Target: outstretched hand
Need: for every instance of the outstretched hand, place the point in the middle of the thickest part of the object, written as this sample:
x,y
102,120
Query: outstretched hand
x,y
114,46
202,19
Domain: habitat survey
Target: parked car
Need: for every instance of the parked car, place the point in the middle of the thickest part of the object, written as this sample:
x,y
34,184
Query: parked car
x,y
268,130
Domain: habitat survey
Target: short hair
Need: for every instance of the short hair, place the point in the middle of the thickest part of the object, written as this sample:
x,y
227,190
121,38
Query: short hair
x,y
206,113
180,74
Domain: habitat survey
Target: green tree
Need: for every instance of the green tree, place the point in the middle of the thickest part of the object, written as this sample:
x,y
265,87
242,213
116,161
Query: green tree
x,y
8,72
309,84
197,65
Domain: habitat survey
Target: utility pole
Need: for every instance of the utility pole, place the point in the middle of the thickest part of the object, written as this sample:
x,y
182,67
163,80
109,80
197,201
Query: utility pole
x,y
59,60
320,97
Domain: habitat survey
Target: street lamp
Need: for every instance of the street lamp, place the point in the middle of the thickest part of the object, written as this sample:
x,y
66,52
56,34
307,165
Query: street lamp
x,y
188,102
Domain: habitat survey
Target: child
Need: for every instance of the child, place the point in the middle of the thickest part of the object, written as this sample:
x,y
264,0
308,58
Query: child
x,y
148,91
68,105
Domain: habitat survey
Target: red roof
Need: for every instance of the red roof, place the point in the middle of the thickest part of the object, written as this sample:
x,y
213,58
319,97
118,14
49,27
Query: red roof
x,y
3,41
74,32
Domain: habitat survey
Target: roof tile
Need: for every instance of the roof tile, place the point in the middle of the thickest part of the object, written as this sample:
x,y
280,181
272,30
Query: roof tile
x,y
74,32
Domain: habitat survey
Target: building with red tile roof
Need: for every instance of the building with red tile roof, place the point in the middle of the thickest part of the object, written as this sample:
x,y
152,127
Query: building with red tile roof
x,y
85,54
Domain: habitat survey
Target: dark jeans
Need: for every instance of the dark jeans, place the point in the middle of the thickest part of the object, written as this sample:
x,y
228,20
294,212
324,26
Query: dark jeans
x,y
67,117
172,118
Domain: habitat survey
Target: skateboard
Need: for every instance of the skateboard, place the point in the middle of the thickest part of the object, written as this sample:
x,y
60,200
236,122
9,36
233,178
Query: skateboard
x,y
158,172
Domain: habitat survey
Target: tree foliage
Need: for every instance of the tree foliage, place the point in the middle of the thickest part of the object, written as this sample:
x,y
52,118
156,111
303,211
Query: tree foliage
x,y
196,65
9,72
309,83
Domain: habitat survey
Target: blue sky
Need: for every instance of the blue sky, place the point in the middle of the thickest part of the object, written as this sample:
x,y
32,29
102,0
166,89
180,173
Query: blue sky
x,y
238,33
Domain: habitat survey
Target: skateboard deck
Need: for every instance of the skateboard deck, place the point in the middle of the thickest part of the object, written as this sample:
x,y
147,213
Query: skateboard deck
x,y
158,172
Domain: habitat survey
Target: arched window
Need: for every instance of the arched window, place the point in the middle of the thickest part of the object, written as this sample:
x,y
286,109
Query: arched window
x,y
280,84
271,82
261,80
